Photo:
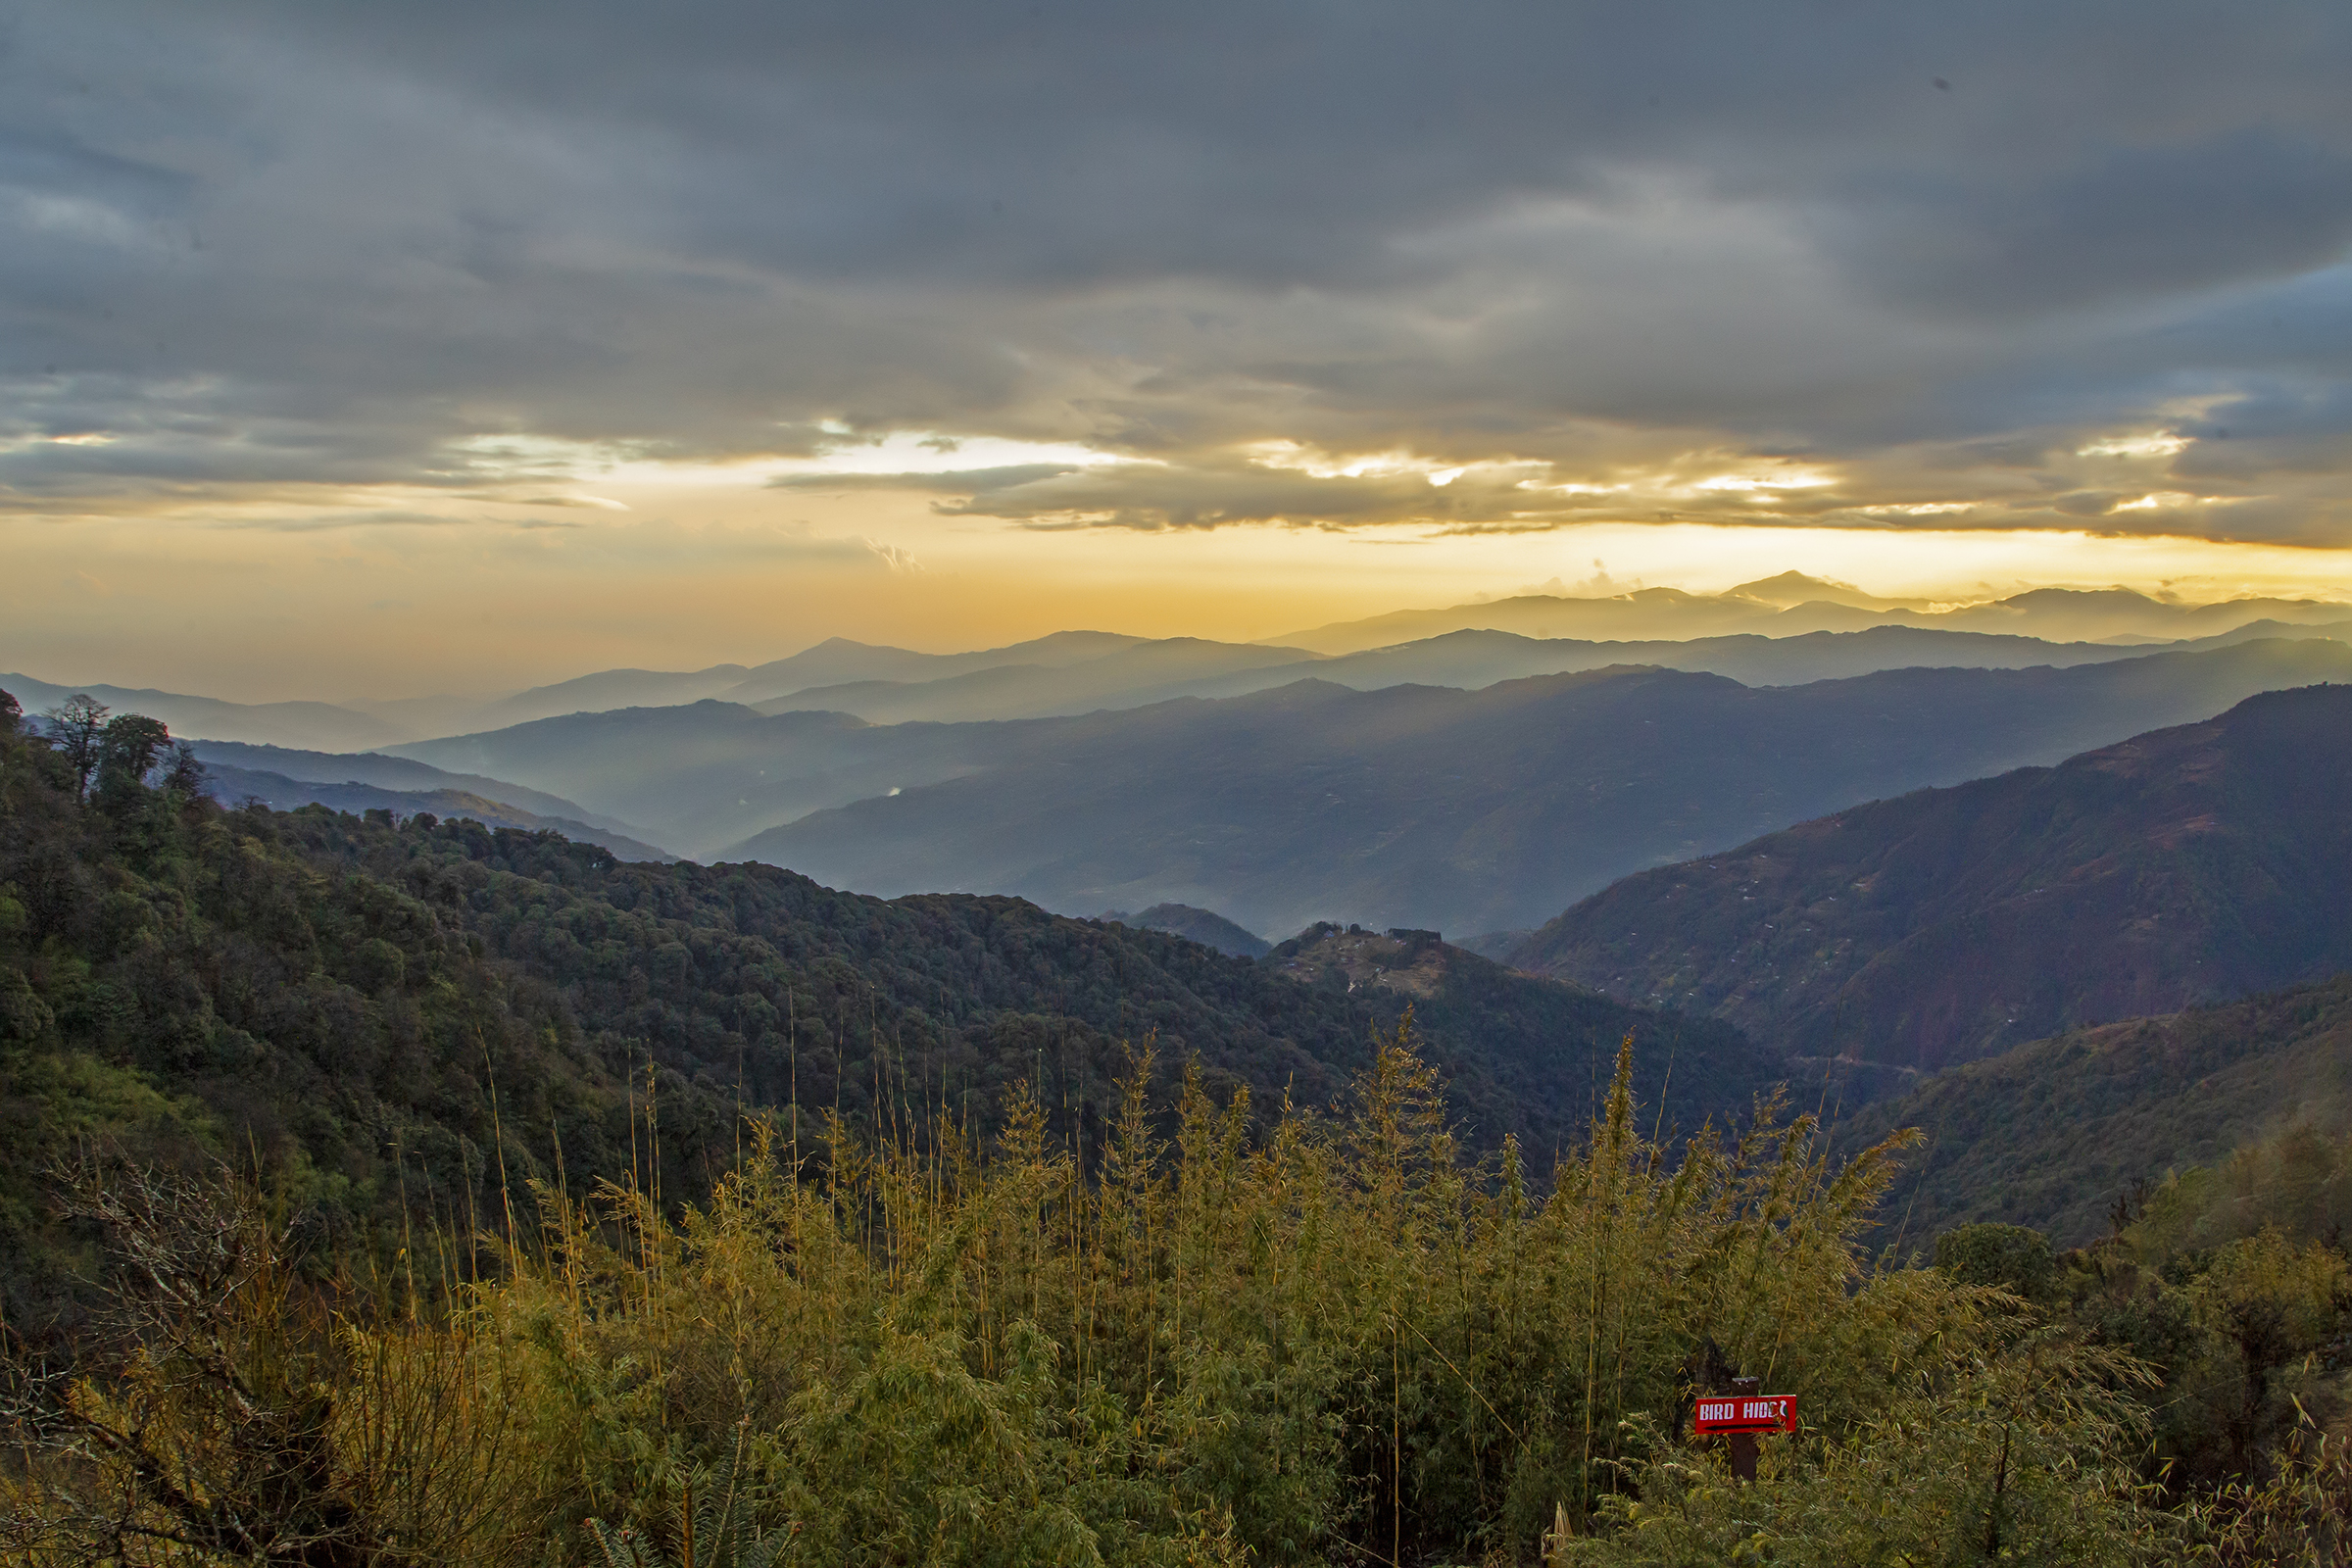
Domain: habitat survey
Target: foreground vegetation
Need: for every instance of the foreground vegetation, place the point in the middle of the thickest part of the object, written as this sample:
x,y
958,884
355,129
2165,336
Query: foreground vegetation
x,y
1332,1341
1332,1344
970,1326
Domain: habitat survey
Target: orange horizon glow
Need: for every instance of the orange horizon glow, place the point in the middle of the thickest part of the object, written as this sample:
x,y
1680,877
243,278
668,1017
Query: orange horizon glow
x,y
409,593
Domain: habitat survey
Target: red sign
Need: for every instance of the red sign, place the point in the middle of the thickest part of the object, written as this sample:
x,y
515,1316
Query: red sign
x,y
1719,1413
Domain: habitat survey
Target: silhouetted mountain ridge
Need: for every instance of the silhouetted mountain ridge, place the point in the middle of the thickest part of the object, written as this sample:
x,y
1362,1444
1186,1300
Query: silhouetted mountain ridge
x,y
2060,614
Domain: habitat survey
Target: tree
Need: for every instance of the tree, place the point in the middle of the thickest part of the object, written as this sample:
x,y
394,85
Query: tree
x,y
240,1421
186,777
12,714
2013,1258
127,750
75,727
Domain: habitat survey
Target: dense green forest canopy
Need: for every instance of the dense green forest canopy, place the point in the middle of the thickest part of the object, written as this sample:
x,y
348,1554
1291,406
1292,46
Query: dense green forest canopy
x,y
372,1007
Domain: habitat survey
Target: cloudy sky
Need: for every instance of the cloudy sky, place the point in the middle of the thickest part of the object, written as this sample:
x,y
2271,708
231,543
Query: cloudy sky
x,y
375,349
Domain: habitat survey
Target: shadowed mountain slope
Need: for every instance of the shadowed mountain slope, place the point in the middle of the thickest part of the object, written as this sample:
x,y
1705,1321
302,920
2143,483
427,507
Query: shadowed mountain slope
x,y
1204,926
238,786
2052,1133
398,773
1465,812
2191,865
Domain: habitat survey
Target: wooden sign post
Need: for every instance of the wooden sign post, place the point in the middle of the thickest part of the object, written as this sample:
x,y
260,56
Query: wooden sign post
x,y
1740,1415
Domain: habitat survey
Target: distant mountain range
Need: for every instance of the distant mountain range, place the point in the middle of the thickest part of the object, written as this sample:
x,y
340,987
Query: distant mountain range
x,y
307,724
1074,671
1466,811
1774,632
709,774
1471,810
238,786
1793,604
2191,865
1157,671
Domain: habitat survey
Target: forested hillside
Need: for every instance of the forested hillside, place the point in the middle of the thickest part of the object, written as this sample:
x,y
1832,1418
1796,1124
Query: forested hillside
x,y
2053,1134
341,997
2190,864
1686,1069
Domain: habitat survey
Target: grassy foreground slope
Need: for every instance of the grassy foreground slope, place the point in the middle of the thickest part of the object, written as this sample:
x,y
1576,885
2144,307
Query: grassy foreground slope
x,y
2190,864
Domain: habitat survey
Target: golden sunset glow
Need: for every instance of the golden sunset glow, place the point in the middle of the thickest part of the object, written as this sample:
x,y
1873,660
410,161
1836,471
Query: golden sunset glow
x,y
430,373
404,592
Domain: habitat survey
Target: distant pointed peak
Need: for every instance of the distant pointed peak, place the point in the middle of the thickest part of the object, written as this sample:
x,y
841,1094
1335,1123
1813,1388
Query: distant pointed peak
x,y
851,643
1791,589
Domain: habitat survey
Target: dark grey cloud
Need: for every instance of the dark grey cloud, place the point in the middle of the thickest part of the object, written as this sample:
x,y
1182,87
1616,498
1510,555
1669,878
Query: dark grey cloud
x,y
278,244
2243,205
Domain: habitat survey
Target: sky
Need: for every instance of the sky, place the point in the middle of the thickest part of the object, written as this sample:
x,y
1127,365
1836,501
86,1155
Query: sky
x,y
355,350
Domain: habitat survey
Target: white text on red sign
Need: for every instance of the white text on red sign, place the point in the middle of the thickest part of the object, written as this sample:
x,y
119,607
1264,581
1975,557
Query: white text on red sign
x,y
1762,1411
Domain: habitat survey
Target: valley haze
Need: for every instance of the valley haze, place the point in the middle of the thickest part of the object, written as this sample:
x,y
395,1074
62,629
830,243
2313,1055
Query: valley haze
x,y
1475,780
